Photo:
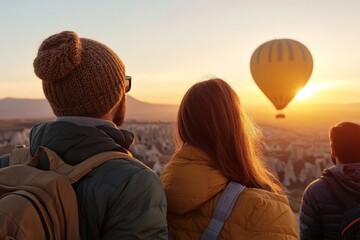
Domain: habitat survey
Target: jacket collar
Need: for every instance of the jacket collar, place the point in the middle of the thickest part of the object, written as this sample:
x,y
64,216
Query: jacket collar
x,y
347,175
74,143
86,121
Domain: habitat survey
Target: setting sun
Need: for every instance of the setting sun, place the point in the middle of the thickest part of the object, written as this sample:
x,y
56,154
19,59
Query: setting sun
x,y
307,92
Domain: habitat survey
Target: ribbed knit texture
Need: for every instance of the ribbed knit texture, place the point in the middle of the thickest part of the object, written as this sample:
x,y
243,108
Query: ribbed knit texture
x,y
81,77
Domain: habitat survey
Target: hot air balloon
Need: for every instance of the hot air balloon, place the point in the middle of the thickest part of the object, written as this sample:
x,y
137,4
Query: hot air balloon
x,y
280,68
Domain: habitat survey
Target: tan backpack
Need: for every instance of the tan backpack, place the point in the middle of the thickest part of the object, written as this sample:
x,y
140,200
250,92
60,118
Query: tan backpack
x,y
38,204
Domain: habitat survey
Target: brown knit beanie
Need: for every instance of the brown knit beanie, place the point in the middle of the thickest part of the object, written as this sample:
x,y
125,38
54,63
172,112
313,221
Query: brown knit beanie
x,y
81,77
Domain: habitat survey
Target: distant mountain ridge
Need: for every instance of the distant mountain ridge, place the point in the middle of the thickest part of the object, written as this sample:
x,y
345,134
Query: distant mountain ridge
x,y
298,117
13,108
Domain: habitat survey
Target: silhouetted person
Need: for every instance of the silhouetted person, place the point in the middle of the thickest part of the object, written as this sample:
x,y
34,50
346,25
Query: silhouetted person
x,y
322,205
85,84
218,144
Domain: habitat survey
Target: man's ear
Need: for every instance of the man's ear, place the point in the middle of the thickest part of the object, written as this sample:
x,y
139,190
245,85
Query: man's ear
x,y
333,155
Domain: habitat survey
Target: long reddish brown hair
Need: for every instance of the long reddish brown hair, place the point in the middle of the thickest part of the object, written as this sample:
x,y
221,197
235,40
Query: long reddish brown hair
x,y
210,118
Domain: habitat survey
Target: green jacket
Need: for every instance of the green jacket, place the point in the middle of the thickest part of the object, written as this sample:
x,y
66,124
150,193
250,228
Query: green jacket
x,y
121,199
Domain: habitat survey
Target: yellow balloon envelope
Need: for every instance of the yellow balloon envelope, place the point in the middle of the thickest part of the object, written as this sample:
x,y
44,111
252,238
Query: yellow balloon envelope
x,y
281,68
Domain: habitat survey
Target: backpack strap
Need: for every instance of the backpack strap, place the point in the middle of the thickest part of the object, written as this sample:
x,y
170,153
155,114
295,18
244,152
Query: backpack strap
x,y
75,173
339,192
222,210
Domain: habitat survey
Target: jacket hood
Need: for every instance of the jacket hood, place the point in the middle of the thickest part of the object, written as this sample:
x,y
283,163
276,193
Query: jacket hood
x,y
347,175
189,175
74,143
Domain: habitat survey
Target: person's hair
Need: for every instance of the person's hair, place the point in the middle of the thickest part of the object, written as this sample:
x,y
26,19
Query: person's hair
x,y
345,141
210,118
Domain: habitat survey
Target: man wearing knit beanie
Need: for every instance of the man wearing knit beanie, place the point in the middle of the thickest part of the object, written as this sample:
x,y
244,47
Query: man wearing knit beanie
x,y
85,84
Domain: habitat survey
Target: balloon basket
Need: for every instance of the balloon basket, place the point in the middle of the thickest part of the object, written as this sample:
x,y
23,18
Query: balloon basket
x,y
280,115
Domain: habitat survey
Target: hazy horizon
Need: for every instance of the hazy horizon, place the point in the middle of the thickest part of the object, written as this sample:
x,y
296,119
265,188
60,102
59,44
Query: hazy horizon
x,y
315,118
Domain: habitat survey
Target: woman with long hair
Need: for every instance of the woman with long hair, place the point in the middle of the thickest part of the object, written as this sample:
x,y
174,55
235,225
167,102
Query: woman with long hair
x,y
218,144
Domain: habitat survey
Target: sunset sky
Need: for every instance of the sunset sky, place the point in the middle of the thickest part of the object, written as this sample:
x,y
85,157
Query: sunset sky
x,y
167,46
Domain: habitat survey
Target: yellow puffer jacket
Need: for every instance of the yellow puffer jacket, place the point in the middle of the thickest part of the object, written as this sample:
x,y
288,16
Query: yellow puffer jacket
x,y
192,189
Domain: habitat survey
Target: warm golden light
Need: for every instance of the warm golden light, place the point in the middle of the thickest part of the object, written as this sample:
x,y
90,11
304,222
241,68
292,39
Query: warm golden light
x,y
307,92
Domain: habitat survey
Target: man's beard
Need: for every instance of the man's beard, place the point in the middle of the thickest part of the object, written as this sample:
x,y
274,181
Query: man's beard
x,y
119,117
